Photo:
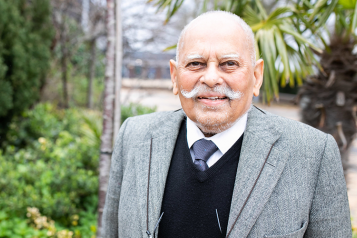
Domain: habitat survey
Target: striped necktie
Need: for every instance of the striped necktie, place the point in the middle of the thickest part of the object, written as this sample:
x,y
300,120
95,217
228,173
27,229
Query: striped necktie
x,y
203,149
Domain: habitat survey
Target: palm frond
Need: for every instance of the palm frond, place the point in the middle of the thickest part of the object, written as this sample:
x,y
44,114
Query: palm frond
x,y
251,17
261,9
354,20
287,29
171,47
326,13
318,6
278,12
279,40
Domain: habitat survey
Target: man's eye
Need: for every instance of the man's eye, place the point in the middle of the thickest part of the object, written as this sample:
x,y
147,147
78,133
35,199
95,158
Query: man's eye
x,y
230,63
195,64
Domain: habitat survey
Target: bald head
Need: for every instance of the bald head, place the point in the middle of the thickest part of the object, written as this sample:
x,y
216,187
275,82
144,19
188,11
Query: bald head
x,y
214,21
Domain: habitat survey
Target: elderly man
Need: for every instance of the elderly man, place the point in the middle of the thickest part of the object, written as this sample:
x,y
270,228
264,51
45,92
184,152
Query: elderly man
x,y
221,167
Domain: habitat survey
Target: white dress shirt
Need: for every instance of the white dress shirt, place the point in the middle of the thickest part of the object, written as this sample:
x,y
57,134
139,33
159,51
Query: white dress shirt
x,y
224,140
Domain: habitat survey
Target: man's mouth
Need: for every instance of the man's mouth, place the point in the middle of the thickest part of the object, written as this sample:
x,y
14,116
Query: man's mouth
x,y
213,98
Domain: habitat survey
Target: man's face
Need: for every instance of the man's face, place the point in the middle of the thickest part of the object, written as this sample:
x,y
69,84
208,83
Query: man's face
x,y
215,77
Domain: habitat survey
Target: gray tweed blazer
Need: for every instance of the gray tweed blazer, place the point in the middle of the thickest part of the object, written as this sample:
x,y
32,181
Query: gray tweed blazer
x,y
289,180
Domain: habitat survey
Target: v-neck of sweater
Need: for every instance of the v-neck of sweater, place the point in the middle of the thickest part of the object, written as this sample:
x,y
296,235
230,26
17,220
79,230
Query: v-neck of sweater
x,y
203,176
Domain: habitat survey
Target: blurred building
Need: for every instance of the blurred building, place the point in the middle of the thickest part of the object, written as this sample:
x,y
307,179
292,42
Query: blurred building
x,y
147,65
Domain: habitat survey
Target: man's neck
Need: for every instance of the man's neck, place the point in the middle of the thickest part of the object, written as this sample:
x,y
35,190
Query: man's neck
x,y
210,134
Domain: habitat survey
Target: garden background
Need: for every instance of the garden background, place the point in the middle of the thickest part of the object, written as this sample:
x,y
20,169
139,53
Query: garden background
x,y
65,88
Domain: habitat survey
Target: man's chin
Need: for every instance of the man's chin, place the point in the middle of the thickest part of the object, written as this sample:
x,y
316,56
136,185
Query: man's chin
x,y
212,129
213,122
215,108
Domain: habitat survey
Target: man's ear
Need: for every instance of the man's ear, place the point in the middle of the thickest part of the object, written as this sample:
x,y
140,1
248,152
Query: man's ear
x,y
173,73
258,76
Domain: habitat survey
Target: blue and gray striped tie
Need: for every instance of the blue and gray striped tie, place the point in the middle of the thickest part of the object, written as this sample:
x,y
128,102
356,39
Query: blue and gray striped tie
x,y
203,149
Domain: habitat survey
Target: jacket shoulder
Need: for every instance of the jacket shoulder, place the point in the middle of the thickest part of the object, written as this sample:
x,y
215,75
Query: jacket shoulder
x,y
292,127
150,118
297,136
144,126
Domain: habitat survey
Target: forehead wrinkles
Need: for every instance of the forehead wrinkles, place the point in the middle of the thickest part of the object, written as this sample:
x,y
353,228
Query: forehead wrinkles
x,y
192,54
202,42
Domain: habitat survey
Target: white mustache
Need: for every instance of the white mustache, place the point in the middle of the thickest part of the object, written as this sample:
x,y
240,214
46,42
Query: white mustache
x,y
223,89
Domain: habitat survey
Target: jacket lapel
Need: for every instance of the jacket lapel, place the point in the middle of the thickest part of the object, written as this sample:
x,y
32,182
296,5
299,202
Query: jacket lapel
x,y
260,166
155,157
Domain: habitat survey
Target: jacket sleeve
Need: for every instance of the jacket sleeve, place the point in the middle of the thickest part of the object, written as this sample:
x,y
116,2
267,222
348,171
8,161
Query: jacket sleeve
x,y
111,207
329,214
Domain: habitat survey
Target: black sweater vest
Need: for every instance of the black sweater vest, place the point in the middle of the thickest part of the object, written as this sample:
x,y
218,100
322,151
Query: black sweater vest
x,y
191,197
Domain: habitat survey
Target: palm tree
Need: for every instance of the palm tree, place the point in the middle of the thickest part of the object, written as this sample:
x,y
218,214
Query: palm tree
x,y
288,55
328,99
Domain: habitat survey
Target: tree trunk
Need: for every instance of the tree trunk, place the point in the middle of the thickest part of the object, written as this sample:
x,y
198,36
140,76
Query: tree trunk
x,y
118,68
91,74
328,100
64,61
108,106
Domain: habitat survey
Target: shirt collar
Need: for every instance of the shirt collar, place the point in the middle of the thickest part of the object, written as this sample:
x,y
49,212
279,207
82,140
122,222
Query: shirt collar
x,y
223,140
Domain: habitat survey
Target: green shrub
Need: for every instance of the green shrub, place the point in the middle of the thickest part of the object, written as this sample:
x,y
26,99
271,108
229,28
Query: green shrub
x,y
50,161
50,164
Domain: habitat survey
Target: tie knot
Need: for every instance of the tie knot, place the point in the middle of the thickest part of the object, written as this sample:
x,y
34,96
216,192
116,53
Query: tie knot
x,y
203,149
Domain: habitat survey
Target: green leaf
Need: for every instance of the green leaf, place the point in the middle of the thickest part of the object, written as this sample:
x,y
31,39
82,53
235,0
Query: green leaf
x,y
298,78
299,38
317,8
279,11
170,47
162,4
354,20
281,46
228,5
215,4
326,13
3,215
251,17
204,7
269,56
258,26
176,6
308,4
257,51
291,79
348,4
261,9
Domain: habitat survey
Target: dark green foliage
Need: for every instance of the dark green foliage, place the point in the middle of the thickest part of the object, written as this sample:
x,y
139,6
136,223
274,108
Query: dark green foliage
x,y
17,228
50,164
25,38
50,161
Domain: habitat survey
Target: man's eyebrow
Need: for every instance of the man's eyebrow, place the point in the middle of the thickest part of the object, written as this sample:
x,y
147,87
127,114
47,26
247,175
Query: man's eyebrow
x,y
230,56
194,56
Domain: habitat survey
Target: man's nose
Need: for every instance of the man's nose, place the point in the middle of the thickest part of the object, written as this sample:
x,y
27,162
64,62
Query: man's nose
x,y
211,77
